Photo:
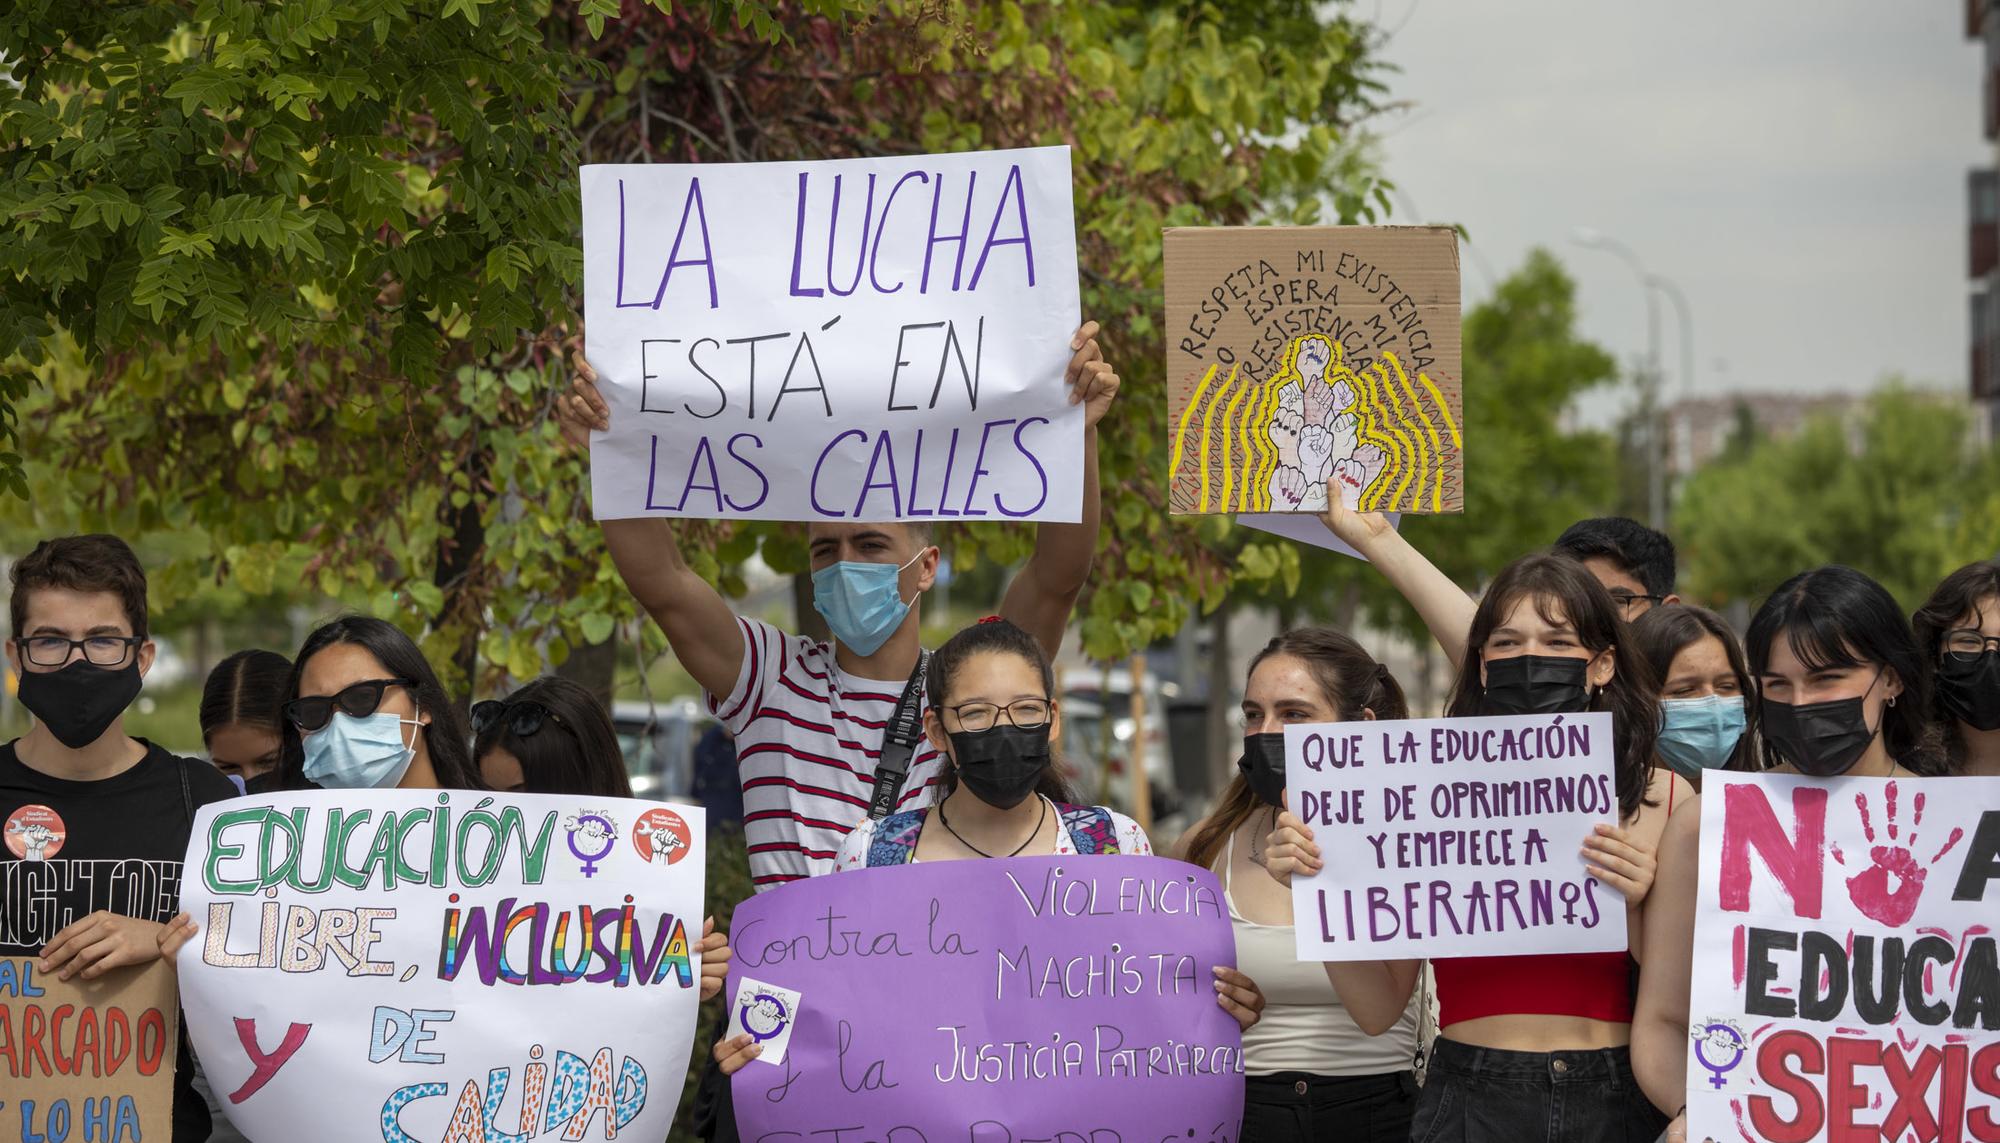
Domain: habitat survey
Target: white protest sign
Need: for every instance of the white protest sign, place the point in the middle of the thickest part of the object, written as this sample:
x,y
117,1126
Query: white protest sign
x,y
856,339
1846,983
1453,836
443,966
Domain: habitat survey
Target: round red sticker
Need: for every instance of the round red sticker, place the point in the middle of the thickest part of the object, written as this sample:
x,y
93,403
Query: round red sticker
x,y
35,833
661,837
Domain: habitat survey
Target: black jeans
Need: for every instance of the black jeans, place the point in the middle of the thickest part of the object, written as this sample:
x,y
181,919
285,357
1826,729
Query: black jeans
x,y
1485,1095
1284,1107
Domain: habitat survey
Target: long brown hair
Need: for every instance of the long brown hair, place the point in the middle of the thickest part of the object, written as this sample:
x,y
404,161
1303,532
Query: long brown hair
x,y
1959,595
1350,681
1664,632
1557,581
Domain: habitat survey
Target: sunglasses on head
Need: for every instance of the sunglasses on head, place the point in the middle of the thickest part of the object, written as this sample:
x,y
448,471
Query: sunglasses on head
x,y
523,718
357,700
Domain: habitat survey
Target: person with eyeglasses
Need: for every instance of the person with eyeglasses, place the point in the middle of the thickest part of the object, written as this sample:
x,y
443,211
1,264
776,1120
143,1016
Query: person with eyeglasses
x,y
1958,629
1002,792
367,712
550,737
1633,562
95,821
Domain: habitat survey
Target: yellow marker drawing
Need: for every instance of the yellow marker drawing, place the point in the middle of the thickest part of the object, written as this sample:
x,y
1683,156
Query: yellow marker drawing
x,y
1180,436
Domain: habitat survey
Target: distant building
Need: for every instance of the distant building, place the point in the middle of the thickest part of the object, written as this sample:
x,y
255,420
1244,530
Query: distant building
x,y
1698,430
1982,23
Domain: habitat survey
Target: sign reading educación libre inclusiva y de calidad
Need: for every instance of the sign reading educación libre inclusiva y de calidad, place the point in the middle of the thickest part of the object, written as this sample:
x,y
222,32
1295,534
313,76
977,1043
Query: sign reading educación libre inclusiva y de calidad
x,y
444,966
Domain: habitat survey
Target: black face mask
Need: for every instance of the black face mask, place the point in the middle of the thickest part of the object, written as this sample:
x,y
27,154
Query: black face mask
x,y
1821,739
1262,765
1001,765
81,701
1970,689
1536,684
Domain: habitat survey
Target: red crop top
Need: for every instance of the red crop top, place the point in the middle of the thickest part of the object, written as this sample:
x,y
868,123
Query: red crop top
x,y
1596,986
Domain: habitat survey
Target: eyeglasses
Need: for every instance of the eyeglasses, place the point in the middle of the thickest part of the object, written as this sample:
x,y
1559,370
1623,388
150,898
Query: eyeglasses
x,y
525,718
1968,644
357,700
1028,714
1625,600
98,650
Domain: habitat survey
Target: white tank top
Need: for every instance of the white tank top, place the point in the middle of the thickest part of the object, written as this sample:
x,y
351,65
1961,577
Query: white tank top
x,y
1304,1028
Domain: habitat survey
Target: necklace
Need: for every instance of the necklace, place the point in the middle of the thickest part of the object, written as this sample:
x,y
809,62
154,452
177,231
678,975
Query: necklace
x,y
1256,852
1037,832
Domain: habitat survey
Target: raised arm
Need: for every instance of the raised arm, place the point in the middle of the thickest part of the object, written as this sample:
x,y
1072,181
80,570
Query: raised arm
x,y
1660,1022
1044,591
699,624
1443,607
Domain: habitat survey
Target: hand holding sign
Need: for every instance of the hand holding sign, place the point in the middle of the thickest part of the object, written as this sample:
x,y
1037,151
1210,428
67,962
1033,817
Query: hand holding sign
x,y
1290,849
1618,862
99,943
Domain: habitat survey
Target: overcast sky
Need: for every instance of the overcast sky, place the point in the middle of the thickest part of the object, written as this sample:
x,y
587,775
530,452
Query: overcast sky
x,y
1799,169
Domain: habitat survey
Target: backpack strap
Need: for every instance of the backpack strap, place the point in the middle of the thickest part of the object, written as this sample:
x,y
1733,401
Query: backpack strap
x,y
1091,829
895,840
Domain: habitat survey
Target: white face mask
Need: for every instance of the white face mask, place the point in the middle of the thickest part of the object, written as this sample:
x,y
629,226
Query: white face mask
x,y
350,753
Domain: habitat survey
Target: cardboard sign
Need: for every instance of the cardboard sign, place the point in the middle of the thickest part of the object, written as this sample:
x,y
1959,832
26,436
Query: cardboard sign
x,y
87,1059
1846,984
1453,836
443,966
1051,998
1299,356
861,339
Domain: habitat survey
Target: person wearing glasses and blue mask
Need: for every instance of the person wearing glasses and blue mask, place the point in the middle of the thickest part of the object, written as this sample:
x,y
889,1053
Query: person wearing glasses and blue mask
x,y
367,713
95,821
809,717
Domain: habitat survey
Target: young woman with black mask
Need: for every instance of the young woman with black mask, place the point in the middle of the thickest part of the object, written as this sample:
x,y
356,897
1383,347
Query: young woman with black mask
x,y
1529,1046
1312,1070
994,715
1958,631
1843,690
1705,713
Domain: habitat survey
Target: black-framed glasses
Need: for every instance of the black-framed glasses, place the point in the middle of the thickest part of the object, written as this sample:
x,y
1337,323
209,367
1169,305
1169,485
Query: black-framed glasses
x,y
1625,599
1028,714
356,700
523,718
1968,644
98,650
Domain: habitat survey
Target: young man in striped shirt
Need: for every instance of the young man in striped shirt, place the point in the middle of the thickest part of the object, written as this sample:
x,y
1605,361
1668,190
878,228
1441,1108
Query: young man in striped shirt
x,y
808,717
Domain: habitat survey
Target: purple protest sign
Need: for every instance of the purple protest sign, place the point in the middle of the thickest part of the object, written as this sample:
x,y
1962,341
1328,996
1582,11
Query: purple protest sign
x,y
1031,998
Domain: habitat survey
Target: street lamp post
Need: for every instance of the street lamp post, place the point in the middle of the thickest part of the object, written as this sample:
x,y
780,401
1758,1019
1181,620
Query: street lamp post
x,y
1649,389
1685,317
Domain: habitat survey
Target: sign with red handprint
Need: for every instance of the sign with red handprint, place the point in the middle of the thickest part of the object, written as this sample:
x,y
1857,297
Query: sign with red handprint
x,y
1846,976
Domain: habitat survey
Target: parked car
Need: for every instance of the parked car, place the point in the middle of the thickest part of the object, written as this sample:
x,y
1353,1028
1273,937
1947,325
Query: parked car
x,y
1099,733
658,740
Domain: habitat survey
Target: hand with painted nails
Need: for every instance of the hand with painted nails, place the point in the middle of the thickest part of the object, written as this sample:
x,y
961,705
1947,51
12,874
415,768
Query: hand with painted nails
x,y
714,959
1239,996
735,1052
1610,856
1290,849
99,943
1090,378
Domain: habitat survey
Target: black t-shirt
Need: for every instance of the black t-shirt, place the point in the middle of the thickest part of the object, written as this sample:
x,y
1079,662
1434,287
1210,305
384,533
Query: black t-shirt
x,y
71,848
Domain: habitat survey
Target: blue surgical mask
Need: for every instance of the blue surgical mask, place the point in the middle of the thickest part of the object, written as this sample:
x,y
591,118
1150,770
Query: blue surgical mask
x,y
861,602
352,753
1700,733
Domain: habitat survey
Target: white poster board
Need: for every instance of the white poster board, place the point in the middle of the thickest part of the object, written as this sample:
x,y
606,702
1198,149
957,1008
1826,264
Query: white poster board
x,y
443,966
1846,983
1453,837
854,339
